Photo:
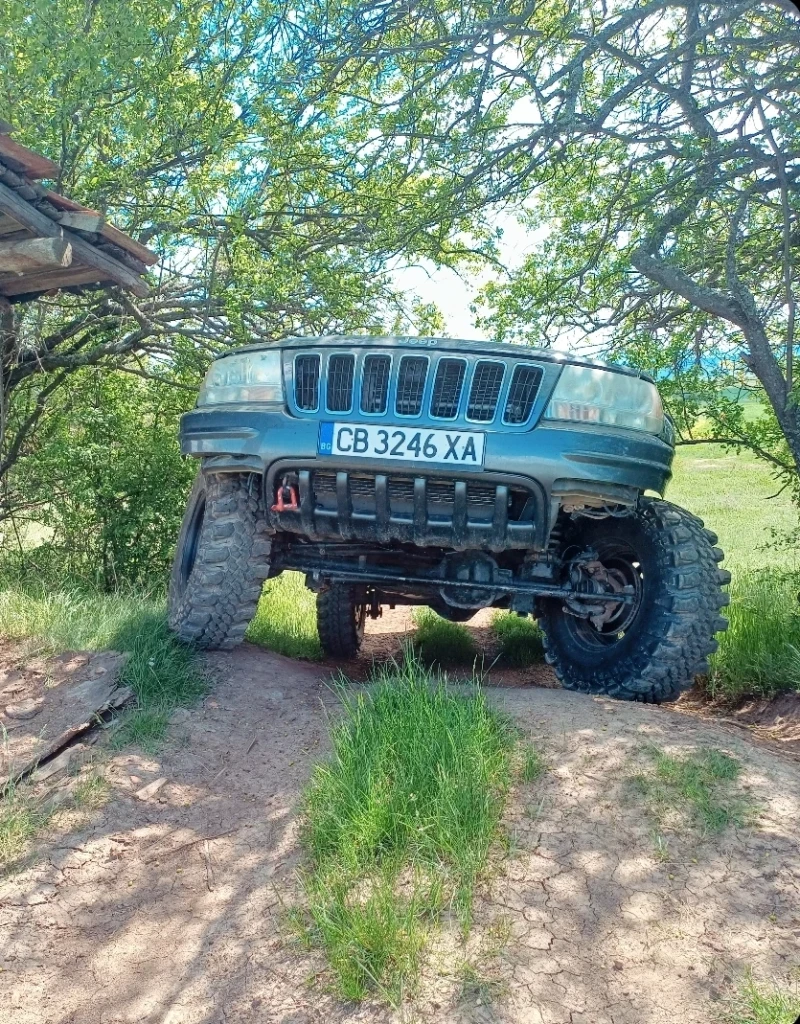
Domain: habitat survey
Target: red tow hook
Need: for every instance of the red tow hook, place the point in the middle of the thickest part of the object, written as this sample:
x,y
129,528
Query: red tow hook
x,y
286,499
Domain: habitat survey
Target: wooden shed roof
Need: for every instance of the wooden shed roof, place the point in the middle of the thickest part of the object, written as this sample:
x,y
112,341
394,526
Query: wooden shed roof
x,y
49,242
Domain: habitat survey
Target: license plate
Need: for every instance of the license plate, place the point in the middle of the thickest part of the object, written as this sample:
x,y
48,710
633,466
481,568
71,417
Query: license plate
x,y
406,444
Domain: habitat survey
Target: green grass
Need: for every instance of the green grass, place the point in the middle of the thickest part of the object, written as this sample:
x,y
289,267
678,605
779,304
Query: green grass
x,y
286,619
400,822
732,494
162,673
762,1004
520,639
20,822
697,791
438,641
759,654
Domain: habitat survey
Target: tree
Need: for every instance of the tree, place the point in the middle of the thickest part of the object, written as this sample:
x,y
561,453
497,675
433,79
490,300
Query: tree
x,y
273,213
655,148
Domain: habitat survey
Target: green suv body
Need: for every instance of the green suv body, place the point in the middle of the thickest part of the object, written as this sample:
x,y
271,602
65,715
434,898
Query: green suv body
x,y
456,474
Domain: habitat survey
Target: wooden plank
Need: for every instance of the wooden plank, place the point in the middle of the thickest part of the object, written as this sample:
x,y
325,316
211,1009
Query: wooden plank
x,y
64,203
85,220
34,253
8,226
48,281
20,158
83,251
108,231
141,252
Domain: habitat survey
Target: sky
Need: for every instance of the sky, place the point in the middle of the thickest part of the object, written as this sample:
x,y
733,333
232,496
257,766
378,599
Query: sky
x,y
453,293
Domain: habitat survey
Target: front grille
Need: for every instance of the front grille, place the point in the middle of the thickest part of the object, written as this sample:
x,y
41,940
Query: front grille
x,y
411,385
447,388
522,394
375,384
400,489
340,383
306,382
486,383
485,390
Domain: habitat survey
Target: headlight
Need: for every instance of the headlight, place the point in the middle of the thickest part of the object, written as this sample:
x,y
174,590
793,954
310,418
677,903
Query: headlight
x,y
588,394
251,377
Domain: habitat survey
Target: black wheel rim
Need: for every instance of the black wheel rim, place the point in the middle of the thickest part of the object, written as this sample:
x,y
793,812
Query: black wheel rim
x,y
192,542
623,564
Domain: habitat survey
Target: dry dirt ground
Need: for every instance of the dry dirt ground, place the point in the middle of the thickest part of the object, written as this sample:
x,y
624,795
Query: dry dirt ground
x,y
172,909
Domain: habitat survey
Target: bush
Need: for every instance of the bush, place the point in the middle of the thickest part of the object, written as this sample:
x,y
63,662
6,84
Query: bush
x,y
438,641
759,654
107,485
520,639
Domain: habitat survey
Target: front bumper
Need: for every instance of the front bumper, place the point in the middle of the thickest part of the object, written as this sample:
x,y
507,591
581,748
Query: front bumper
x,y
555,464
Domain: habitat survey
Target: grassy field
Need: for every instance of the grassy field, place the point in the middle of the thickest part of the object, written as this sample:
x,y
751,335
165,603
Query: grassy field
x,y
732,494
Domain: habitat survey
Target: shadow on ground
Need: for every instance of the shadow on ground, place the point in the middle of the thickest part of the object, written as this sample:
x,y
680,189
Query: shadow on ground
x,y
171,911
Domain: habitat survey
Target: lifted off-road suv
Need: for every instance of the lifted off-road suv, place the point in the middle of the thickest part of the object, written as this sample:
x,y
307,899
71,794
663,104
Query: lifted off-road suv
x,y
455,474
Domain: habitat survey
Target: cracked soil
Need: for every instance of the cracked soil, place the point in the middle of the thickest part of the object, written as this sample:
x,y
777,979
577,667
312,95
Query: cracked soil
x,y
171,909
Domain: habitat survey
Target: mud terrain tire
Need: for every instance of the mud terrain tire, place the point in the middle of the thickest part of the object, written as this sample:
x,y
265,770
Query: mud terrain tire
x,y
340,621
668,641
221,561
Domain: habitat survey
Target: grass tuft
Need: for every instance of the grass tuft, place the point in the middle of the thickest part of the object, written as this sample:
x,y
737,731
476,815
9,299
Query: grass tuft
x,y
163,673
697,790
438,641
400,821
520,639
286,619
762,1004
759,654
20,822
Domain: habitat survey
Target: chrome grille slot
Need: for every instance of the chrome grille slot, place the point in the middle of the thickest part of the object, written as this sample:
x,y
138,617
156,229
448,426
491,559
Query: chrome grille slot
x,y
485,390
447,388
375,384
522,394
339,389
411,385
306,382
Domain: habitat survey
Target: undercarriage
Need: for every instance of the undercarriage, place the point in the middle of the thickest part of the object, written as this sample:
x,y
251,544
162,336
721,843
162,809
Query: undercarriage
x,y
454,582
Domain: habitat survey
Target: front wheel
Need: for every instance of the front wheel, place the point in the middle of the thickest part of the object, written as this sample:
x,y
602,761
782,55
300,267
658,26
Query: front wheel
x,y
650,646
221,561
340,620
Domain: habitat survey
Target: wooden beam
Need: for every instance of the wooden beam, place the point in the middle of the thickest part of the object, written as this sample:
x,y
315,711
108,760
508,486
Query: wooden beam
x,y
83,251
48,281
141,252
86,220
34,253
20,158
108,231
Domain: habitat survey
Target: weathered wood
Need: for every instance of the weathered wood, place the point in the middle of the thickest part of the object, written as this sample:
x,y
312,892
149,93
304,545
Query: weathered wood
x,y
5,127
48,281
85,220
108,231
20,158
83,251
34,253
9,226
141,252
